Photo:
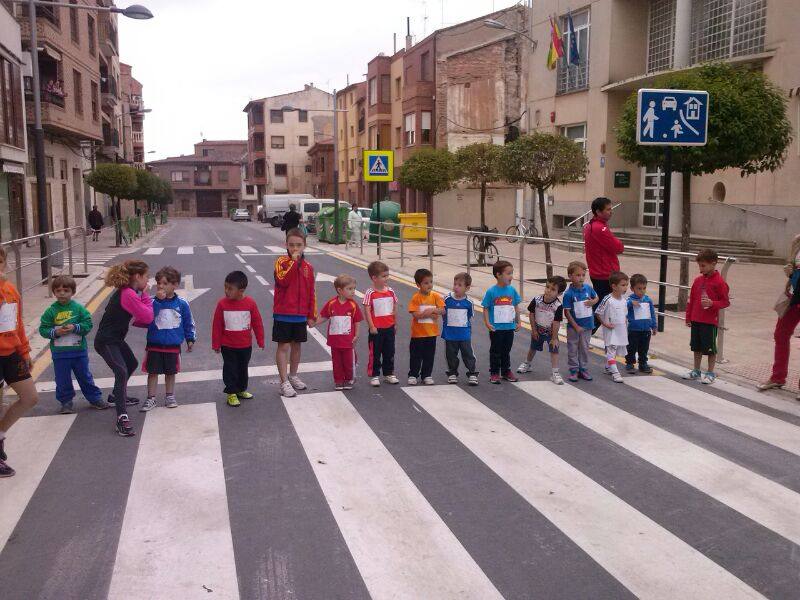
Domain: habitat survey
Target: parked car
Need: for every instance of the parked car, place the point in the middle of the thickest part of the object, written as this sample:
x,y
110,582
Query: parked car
x,y
241,214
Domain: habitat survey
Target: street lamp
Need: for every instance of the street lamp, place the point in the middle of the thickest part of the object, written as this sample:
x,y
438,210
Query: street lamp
x,y
335,112
494,24
134,11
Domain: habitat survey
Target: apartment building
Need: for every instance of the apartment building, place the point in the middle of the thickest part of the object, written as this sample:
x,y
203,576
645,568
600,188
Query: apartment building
x,y
111,107
279,139
249,196
322,163
352,133
132,117
624,45
207,183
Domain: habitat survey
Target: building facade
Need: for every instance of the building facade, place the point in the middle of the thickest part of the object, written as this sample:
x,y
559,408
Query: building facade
x,y
132,117
321,155
207,183
279,139
352,133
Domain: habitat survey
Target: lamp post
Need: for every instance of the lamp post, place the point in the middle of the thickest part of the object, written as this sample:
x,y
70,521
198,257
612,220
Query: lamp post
x,y
335,112
134,11
494,24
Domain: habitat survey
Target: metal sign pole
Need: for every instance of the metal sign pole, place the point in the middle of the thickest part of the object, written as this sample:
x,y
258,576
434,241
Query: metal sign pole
x,y
667,194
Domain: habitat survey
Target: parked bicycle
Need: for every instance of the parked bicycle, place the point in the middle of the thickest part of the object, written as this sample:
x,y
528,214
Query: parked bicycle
x,y
524,228
483,248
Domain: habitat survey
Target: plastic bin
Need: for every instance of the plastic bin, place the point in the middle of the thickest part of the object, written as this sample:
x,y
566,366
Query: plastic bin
x,y
414,225
390,221
325,224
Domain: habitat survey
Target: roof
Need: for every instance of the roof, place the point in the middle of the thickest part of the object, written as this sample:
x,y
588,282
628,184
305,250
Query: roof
x,y
194,159
265,98
220,142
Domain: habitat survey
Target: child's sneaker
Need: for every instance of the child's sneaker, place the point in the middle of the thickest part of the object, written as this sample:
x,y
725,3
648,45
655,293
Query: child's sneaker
x,y
509,376
495,379
573,375
693,375
287,391
646,369
100,405
557,379
391,379
708,378
585,375
338,387
124,427
170,401
68,408
524,367
233,400
452,379
616,378
607,370
149,404
5,470
472,379
296,383
348,385
245,395
630,368
428,381
412,381
375,381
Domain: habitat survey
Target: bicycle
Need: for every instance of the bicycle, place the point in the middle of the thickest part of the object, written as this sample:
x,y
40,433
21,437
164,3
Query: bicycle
x,y
483,248
524,228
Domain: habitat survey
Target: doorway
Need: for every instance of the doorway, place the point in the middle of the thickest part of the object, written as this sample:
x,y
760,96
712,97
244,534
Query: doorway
x,y
64,205
652,198
77,193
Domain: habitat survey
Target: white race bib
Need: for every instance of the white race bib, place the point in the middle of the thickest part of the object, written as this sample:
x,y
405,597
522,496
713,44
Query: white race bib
x,y
457,317
504,313
168,318
8,317
543,317
340,325
580,310
426,309
642,311
71,339
618,315
382,307
237,320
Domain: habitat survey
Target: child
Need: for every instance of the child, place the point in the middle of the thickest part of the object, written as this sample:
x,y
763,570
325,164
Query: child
x,y
66,324
172,325
641,325
612,314
15,361
380,309
545,313
457,330
294,310
501,318
129,300
236,320
708,296
425,307
344,316
578,301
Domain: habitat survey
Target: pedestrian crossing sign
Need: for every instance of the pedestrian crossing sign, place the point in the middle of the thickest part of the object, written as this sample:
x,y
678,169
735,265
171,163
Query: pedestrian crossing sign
x,y
378,165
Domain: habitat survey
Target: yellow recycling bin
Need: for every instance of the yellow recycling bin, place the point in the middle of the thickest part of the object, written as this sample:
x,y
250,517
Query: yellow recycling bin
x,y
414,225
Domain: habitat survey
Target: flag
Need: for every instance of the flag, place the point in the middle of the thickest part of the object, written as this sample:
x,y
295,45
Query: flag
x,y
556,47
574,56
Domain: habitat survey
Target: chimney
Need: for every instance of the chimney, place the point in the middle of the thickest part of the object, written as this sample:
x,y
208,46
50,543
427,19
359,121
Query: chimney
x,y
408,33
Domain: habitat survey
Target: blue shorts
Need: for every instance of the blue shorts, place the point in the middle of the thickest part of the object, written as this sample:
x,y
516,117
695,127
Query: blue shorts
x,y
542,343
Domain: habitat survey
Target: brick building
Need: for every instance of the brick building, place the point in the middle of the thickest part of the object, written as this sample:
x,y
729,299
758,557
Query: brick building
x,y
132,117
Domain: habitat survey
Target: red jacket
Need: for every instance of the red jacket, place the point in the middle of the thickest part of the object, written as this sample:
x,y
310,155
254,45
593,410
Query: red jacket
x,y
294,288
716,289
601,248
235,322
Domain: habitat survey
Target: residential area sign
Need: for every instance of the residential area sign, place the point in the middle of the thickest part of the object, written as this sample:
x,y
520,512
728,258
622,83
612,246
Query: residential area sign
x,y
672,117
378,165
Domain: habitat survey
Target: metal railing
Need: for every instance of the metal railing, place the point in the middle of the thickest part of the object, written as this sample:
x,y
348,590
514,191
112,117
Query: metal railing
x,y
386,244
750,210
571,226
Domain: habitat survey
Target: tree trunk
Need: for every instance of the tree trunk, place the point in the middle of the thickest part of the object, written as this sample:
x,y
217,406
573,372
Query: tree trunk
x,y
482,256
545,232
686,233
118,220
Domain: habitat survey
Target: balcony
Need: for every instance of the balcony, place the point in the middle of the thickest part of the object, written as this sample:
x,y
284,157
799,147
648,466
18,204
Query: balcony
x,y
137,137
108,39
52,92
202,177
139,165
110,137
136,102
109,93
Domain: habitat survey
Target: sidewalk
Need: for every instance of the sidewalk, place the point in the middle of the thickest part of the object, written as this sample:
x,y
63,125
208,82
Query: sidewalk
x,y
749,321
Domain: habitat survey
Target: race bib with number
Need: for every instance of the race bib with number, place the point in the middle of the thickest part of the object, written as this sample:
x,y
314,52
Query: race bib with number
x,y
8,317
237,320
642,311
505,313
71,339
580,310
382,307
426,309
457,317
340,325
168,318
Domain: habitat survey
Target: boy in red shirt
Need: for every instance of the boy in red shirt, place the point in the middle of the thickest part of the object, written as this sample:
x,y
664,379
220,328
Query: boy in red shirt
x,y
344,316
708,296
236,319
380,309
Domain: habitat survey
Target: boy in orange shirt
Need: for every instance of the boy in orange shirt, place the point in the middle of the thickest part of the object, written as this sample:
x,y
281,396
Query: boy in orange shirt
x,y
426,307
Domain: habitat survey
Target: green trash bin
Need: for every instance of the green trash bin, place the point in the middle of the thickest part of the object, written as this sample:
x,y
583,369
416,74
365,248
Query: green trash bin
x,y
390,221
326,220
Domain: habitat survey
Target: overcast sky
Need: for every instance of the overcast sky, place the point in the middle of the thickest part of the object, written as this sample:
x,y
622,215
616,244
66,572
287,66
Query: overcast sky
x,y
201,61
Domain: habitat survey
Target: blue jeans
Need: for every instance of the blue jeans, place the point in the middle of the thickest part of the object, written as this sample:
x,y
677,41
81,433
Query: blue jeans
x,y
64,368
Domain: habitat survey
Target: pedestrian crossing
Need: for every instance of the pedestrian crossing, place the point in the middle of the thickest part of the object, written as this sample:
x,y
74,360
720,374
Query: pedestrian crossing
x,y
240,250
627,504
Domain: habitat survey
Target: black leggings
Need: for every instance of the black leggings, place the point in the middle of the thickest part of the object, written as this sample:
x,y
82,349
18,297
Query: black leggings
x,y
120,359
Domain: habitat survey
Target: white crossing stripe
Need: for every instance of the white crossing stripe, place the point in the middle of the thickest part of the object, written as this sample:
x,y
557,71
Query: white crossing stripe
x,y
639,553
176,534
756,497
216,250
261,280
400,544
247,249
239,258
31,445
249,268
276,249
155,251
186,250
753,423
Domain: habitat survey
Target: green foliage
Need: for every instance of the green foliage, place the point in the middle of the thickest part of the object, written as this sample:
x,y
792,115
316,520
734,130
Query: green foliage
x,y
543,160
478,164
429,170
165,194
147,186
747,124
118,181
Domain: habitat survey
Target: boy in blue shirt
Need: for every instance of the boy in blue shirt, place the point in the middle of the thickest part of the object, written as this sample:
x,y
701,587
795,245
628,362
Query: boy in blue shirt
x,y
457,329
641,325
578,302
172,325
501,317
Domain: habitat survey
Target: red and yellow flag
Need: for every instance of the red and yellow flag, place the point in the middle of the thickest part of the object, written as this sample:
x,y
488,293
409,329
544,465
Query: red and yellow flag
x,y
556,46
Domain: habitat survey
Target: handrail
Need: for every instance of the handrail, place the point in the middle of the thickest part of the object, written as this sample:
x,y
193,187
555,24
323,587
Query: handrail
x,y
586,214
755,212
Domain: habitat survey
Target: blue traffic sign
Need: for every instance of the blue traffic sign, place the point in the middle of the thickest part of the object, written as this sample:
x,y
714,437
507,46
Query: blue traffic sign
x,y
672,118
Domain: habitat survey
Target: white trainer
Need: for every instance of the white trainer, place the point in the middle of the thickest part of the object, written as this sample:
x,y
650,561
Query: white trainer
x,y
524,368
391,379
472,379
428,381
287,391
452,379
616,378
412,381
296,383
375,381
557,379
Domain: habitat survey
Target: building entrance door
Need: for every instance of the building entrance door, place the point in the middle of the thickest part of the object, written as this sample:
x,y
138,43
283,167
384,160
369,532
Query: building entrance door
x,y
652,197
209,204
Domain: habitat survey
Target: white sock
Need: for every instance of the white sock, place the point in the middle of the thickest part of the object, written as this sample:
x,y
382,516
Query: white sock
x,y
555,369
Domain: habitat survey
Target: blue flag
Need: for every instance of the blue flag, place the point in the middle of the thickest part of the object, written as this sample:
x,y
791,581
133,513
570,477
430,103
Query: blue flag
x,y
574,57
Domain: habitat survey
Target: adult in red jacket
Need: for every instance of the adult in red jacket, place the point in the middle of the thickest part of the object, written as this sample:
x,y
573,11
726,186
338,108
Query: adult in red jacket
x,y
601,247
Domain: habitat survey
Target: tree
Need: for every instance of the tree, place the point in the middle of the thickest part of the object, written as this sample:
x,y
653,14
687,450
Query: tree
x,y
148,187
542,161
479,164
747,130
118,181
165,193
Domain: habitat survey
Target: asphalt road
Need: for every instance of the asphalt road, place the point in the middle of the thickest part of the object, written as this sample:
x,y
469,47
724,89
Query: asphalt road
x,y
655,488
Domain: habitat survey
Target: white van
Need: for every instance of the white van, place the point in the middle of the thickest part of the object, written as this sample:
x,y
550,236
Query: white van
x,y
310,208
274,205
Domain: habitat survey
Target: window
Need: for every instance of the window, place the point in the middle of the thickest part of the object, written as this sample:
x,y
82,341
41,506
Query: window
x,y
373,91
661,37
574,77
206,151
90,32
281,170
74,29
322,163
308,168
77,91
386,89
259,168
410,128
12,117
303,140
257,115
222,176
63,168
424,67
50,166
398,137
398,88
276,116
177,176
352,166
95,101
276,141
425,132
362,120
258,142
577,133
726,28
352,131
249,190
302,116
186,205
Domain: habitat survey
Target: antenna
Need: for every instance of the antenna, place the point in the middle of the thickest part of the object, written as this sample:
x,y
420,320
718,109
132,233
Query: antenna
x,y
424,18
